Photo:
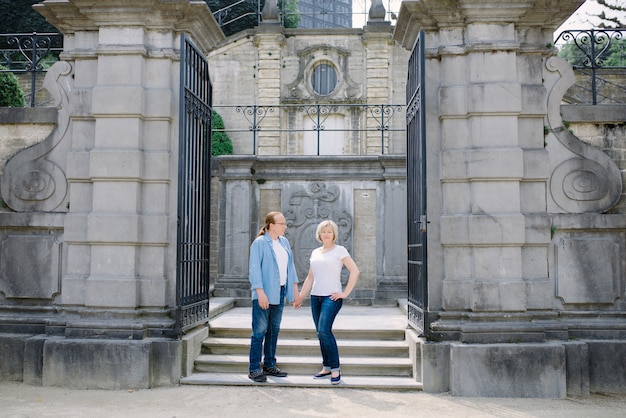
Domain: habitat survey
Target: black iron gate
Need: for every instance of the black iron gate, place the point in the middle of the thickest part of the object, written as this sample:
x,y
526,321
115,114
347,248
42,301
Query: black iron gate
x,y
194,186
416,190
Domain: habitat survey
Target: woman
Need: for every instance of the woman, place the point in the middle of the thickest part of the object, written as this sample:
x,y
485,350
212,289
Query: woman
x,y
324,283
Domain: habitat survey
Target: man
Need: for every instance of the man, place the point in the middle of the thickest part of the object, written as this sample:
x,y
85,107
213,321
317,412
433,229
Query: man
x,y
272,278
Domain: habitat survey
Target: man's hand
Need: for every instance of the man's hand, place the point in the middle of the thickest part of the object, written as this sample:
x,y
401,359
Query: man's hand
x,y
264,302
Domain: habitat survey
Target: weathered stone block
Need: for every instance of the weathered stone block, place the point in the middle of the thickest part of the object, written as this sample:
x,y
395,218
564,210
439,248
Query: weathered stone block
x,y
499,97
12,356
607,366
577,364
457,294
491,67
455,133
112,227
96,364
456,197
495,197
533,198
497,263
494,131
118,100
115,164
499,296
165,363
436,366
508,370
453,101
112,291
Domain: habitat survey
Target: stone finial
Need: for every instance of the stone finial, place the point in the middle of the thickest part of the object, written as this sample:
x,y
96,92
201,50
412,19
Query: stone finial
x,y
377,11
270,12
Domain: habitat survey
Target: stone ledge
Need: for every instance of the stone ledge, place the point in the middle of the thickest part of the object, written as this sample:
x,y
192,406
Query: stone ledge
x,y
19,115
594,114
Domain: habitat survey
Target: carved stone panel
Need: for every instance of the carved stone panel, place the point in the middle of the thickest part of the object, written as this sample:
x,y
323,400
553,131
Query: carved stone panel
x,y
30,266
588,270
308,205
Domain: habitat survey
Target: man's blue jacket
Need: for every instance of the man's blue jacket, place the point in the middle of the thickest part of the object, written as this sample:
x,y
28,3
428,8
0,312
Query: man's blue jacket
x,y
264,269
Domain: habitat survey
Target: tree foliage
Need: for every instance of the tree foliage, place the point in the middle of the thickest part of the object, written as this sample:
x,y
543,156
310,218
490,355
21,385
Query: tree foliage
x,y
11,93
18,16
611,55
290,12
221,144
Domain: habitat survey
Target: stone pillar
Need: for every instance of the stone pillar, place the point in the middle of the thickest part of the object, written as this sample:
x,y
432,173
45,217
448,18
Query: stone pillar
x,y
269,41
488,171
378,41
120,229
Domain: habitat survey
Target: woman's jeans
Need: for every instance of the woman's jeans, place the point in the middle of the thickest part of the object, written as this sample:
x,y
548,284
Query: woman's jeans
x,y
265,326
324,311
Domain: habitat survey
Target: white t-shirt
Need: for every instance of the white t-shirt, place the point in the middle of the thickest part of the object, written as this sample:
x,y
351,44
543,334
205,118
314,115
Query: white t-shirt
x,y
282,258
327,270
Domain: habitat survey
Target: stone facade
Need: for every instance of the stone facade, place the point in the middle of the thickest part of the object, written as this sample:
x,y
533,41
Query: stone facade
x,y
526,240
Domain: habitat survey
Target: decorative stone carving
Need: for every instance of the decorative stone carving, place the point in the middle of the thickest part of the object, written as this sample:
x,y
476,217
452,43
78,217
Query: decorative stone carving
x,y
301,88
307,208
34,178
584,179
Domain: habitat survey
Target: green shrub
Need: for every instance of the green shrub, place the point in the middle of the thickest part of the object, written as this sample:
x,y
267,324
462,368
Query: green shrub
x,y
11,93
221,144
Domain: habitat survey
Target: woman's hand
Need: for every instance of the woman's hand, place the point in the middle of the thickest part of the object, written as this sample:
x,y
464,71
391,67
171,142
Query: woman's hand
x,y
297,301
335,296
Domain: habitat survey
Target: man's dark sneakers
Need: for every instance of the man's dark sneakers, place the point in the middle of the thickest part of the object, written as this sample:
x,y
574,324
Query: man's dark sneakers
x,y
274,371
257,376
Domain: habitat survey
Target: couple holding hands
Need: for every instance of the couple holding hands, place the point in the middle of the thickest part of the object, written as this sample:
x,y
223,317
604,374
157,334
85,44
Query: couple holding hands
x,y
273,278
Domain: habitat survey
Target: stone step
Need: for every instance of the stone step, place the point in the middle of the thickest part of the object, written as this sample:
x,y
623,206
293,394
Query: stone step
x,y
218,306
295,380
302,333
308,365
310,347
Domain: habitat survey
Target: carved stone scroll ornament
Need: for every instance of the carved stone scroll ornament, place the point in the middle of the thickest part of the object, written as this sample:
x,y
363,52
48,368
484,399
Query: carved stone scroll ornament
x,y
34,178
583,178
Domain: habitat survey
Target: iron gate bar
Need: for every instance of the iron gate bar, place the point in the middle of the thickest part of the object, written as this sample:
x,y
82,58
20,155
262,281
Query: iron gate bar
x,y
416,191
192,272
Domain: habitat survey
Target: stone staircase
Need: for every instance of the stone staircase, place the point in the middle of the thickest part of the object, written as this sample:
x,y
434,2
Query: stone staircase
x,y
372,349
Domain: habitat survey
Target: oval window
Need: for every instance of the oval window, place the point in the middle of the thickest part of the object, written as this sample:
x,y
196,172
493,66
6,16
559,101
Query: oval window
x,y
324,79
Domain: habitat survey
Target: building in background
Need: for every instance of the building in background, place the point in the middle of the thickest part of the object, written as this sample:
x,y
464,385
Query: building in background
x,y
325,13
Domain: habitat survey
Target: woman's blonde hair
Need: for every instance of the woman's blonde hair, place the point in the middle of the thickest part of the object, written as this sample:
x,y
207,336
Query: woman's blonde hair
x,y
326,224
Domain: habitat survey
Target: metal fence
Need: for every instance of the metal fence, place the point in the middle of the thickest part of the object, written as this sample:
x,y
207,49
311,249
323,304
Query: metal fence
x,y
29,55
308,128
598,57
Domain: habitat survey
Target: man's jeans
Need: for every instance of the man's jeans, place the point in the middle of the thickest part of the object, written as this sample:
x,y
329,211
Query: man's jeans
x,y
324,311
265,326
